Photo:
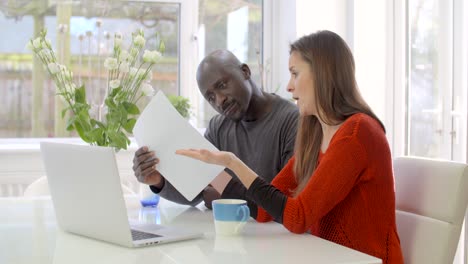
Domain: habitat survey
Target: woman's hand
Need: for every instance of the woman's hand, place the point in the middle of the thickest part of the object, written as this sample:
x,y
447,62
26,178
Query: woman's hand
x,y
225,159
222,158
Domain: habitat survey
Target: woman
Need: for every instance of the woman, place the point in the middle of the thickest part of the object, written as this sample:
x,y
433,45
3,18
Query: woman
x,y
339,183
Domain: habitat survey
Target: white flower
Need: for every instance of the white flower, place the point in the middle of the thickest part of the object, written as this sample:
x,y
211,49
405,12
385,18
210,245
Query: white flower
x,y
48,43
114,83
139,41
133,72
147,89
111,63
45,53
117,42
69,75
37,43
151,56
54,68
62,68
134,52
124,67
123,55
70,87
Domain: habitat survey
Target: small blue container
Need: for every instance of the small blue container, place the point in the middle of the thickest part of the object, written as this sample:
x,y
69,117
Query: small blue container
x,y
150,201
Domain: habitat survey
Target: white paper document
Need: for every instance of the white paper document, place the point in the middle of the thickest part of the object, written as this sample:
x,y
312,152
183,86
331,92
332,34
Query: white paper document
x,y
164,130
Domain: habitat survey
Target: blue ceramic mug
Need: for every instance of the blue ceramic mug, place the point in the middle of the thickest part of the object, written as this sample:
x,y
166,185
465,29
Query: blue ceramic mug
x,y
230,215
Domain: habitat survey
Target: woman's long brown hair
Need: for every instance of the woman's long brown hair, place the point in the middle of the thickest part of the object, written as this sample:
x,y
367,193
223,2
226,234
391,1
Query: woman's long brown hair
x,y
336,93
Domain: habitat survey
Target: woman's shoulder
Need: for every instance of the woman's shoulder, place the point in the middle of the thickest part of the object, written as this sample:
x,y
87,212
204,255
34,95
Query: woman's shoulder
x,y
361,124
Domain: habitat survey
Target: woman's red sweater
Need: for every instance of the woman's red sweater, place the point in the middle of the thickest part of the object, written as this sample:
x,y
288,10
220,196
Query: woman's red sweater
x,y
350,198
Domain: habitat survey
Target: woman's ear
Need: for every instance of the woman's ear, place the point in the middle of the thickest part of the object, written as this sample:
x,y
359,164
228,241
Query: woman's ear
x,y
246,71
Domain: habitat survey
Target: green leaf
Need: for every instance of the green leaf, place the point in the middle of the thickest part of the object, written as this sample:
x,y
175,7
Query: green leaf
x,y
122,116
84,120
181,104
70,123
80,95
110,103
95,122
82,133
98,136
114,116
131,108
118,139
115,91
128,126
64,112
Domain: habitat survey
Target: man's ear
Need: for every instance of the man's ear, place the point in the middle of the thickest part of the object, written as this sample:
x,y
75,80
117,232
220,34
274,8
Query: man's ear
x,y
245,70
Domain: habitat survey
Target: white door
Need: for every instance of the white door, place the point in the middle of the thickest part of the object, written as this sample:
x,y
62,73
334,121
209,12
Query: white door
x,y
437,58
436,84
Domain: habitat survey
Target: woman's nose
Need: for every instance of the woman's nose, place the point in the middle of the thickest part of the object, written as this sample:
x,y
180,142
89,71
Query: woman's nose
x,y
290,87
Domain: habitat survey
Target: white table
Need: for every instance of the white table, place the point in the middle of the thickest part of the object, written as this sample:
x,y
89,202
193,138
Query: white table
x,y
29,234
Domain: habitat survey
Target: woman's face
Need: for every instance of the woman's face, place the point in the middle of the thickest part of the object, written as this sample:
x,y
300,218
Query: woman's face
x,y
301,84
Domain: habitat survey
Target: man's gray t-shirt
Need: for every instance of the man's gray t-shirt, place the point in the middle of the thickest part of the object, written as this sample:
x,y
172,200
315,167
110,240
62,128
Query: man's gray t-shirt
x,y
265,145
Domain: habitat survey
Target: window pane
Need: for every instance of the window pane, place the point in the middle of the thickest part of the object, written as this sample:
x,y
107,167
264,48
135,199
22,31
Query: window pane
x,y
18,117
233,25
430,62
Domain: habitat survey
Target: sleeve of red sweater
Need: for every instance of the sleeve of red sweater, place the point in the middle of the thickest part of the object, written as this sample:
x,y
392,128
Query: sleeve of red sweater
x,y
331,182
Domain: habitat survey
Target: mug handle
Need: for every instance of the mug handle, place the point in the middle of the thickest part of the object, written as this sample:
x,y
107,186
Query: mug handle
x,y
244,211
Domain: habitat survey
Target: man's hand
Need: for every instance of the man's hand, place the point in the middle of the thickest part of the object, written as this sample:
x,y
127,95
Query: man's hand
x,y
144,167
209,195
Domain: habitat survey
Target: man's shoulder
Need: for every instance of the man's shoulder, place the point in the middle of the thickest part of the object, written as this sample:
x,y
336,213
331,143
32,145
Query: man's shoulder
x,y
217,119
285,107
283,102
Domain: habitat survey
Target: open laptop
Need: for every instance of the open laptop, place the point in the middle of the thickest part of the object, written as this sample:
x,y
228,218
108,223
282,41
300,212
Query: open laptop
x,y
86,192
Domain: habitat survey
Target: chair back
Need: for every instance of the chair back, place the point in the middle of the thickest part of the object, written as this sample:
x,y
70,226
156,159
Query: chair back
x,y
431,200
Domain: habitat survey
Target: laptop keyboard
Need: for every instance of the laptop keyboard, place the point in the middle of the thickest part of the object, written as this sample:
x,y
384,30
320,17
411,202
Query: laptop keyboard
x,y
138,235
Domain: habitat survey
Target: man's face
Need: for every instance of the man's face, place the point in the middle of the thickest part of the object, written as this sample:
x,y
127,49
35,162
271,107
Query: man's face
x,y
226,88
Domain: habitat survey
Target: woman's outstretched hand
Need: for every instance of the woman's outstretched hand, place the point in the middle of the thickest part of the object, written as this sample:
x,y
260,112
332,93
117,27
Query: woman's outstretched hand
x,y
222,158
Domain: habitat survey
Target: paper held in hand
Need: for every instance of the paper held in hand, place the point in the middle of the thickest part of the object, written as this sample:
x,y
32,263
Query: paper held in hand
x,y
164,130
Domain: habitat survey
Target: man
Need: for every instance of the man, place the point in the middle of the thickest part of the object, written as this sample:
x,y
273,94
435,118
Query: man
x,y
259,127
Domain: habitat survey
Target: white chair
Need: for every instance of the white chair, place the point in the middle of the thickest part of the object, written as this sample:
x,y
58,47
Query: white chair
x,y
431,200
40,187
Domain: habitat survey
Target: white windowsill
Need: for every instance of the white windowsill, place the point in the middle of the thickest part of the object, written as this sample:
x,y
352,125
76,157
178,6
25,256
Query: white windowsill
x,y
28,144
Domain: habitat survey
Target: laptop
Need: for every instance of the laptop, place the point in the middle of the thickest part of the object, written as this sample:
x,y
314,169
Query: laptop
x,y
88,200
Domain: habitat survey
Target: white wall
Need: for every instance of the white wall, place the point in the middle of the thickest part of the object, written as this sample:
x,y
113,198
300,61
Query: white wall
x,y
313,15
370,46
364,25
279,32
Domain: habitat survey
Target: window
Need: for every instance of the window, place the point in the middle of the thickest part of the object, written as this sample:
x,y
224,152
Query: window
x,y
436,94
28,107
84,30
233,25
